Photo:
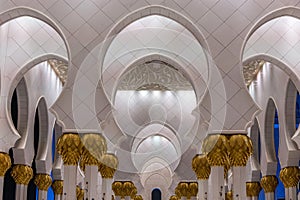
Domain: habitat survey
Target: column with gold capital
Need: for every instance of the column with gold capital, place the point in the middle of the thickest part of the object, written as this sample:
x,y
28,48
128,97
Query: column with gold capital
x,y
240,149
202,169
129,190
174,197
290,177
107,167
216,149
70,147
43,182
5,164
193,191
79,193
57,187
94,147
182,190
252,190
269,184
117,187
21,174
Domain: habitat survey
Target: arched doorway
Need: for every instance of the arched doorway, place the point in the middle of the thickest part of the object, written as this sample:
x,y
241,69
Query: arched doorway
x,y
156,194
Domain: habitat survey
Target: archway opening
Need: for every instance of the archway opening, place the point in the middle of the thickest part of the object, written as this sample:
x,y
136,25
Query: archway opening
x,y
156,194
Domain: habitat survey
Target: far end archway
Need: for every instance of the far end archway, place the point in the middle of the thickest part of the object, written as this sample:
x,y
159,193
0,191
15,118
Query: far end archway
x,y
156,194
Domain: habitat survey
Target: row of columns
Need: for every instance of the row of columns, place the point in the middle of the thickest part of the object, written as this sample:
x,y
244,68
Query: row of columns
x,y
89,152
125,190
222,152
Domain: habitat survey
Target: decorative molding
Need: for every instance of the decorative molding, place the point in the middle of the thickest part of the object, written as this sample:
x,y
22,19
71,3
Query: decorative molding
x,y
60,68
251,70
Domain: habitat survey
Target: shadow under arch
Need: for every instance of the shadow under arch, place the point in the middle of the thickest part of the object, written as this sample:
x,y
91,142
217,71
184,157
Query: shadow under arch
x,y
285,11
269,130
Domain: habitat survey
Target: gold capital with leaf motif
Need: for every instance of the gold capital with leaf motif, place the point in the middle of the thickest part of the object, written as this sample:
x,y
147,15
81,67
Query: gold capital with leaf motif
x,y
22,174
79,193
253,189
269,183
5,163
229,195
58,186
290,176
216,147
70,147
174,197
182,189
138,197
108,165
240,149
43,181
193,190
117,187
201,166
129,189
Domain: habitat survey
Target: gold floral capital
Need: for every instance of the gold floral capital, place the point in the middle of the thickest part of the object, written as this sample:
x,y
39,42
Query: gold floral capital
x,y
182,189
174,197
216,147
129,189
193,189
117,187
138,197
269,183
5,163
108,165
79,193
240,149
253,189
201,166
290,176
57,187
69,145
22,174
43,181
229,195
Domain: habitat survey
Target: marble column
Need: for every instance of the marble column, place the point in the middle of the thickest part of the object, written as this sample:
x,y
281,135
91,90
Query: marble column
x,y
5,164
182,190
252,190
21,174
193,191
239,152
70,147
202,169
43,182
290,177
57,187
216,149
269,184
107,168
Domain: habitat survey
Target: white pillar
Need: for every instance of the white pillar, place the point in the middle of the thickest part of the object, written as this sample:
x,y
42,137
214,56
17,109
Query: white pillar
x,y
107,188
269,196
70,179
239,183
57,197
183,198
1,187
216,183
292,192
127,198
91,181
193,198
42,195
202,189
117,198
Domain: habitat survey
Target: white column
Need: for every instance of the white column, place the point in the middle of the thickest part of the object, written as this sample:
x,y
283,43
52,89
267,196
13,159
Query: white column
x,y
1,187
42,195
19,194
239,183
57,197
107,188
269,196
202,189
216,183
117,198
24,191
193,198
70,179
292,191
91,181
254,198
183,198
127,198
